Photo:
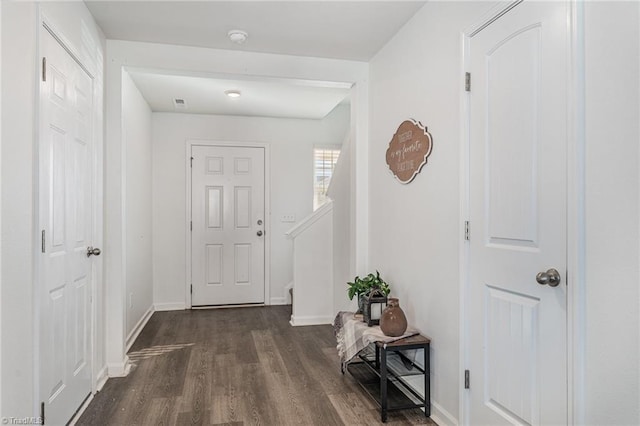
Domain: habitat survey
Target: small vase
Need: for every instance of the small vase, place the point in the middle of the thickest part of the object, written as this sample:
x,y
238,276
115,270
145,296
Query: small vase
x,y
393,322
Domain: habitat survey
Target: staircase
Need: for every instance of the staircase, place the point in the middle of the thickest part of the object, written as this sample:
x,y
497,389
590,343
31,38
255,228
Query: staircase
x,y
313,268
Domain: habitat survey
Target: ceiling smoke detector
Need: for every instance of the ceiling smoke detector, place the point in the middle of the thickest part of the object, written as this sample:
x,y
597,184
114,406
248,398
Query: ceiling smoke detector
x,y
237,36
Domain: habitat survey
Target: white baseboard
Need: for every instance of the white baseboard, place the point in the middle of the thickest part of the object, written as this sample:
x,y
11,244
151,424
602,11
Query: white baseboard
x,y
278,301
441,416
138,328
102,378
310,320
119,369
169,307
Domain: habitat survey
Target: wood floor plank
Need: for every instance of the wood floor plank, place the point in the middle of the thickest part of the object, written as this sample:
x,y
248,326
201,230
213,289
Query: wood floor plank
x,y
290,406
133,407
267,351
288,353
161,412
237,366
352,409
194,418
148,334
317,365
258,403
225,390
196,396
173,365
104,403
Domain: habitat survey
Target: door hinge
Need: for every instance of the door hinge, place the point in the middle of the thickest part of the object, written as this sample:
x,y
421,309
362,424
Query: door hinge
x,y
191,226
466,379
467,82
41,413
191,165
44,69
43,238
191,289
466,230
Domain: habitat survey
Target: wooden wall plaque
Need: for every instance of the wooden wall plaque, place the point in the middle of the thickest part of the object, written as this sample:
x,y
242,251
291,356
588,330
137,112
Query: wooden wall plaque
x,y
408,150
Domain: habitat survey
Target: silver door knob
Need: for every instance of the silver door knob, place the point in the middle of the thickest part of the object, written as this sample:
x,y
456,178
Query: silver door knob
x,y
93,251
259,233
551,278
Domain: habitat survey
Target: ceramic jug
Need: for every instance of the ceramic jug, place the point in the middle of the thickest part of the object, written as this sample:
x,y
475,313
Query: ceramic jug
x,y
393,322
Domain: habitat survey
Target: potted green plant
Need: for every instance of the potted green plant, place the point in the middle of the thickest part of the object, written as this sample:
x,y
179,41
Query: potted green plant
x,y
362,286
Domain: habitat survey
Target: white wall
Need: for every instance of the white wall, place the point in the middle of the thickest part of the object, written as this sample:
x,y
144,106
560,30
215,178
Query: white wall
x,y
612,370
136,135
20,27
340,193
414,228
18,90
335,126
291,149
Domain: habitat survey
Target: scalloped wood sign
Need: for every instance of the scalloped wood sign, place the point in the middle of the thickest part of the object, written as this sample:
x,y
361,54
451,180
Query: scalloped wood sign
x,y
408,150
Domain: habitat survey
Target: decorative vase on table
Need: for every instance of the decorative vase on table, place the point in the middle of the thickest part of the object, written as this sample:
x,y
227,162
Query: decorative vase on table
x,y
362,300
393,322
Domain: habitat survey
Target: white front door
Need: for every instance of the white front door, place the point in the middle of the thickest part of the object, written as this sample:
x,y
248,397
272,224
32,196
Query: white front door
x,y
517,328
66,145
228,225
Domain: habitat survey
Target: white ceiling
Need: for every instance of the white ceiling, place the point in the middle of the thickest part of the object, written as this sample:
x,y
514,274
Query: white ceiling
x,y
261,98
353,30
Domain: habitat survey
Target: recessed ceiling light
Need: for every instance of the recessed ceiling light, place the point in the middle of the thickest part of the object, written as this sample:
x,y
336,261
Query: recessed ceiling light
x,y
237,36
232,93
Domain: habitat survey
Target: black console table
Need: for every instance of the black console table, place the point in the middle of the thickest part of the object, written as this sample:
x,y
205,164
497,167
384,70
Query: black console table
x,y
382,370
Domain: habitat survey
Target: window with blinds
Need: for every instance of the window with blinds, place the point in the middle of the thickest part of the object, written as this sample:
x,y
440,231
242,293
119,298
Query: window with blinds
x,y
324,161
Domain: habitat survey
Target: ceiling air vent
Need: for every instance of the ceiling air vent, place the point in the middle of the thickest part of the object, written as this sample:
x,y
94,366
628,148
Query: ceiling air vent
x,y
179,103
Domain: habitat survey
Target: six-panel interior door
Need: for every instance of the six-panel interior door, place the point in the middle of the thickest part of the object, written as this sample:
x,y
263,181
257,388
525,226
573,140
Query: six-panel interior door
x,y
228,227
518,124
66,144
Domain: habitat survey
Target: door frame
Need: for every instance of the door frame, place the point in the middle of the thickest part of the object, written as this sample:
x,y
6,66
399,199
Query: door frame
x,y
267,210
98,374
575,207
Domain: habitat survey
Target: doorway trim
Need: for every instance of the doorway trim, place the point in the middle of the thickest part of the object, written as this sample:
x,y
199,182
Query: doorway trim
x,y
267,209
575,207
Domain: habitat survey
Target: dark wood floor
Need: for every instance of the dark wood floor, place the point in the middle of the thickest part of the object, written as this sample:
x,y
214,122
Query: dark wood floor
x,y
235,366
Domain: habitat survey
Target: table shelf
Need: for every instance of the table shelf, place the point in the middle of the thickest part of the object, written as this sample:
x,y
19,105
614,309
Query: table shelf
x,y
397,362
369,380
381,369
